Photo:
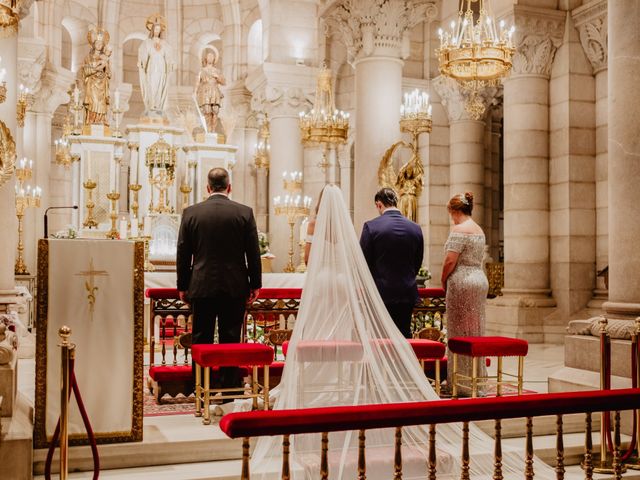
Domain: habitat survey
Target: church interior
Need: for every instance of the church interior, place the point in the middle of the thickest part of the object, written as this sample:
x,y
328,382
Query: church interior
x,y
112,113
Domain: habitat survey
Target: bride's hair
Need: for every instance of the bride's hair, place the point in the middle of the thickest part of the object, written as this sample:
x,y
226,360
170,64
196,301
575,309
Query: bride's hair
x,y
461,202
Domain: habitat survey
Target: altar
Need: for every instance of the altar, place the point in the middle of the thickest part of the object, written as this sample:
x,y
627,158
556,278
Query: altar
x,y
269,280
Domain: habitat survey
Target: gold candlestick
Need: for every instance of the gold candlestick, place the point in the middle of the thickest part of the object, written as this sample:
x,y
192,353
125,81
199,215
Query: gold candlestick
x,y
90,221
113,233
148,266
135,188
186,190
22,203
293,212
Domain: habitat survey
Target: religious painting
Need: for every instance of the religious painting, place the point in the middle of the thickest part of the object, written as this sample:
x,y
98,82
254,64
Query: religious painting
x,y
95,287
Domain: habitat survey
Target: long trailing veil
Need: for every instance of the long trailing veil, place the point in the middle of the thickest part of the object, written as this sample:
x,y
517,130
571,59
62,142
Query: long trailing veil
x,y
346,350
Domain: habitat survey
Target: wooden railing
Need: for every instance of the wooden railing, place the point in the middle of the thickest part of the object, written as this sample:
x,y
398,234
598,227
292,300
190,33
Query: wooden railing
x,y
362,418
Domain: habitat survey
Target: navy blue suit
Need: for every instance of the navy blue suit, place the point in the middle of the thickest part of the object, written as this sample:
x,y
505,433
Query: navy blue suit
x,y
394,247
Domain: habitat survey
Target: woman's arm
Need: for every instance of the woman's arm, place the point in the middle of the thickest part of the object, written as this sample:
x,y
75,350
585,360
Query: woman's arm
x,y
448,266
307,246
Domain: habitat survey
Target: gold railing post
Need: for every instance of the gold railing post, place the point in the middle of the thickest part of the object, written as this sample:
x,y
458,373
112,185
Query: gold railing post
x,y
528,462
67,352
497,452
397,460
245,459
559,449
286,470
635,349
618,468
432,452
587,465
324,459
464,472
362,464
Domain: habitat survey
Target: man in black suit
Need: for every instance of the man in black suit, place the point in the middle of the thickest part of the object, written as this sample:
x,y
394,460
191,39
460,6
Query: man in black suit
x,y
393,247
218,266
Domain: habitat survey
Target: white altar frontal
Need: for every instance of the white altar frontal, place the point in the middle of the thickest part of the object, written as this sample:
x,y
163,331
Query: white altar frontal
x,y
95,287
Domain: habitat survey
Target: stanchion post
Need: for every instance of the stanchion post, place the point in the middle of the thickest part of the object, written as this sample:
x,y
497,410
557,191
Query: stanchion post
x,y
635,352
67,351
603,466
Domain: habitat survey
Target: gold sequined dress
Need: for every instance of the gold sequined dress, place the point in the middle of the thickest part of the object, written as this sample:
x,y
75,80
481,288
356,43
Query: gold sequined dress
x,y
467,290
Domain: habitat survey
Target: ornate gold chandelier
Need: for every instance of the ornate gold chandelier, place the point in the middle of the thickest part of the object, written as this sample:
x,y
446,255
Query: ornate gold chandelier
x,y
324,124
476,53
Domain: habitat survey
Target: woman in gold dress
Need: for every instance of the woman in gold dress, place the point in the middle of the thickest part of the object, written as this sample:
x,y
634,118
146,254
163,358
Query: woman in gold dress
x,y
208,92
96,71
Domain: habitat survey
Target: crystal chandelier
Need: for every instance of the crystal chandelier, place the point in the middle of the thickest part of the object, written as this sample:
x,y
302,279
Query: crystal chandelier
x,y
263,149
475,53
324,124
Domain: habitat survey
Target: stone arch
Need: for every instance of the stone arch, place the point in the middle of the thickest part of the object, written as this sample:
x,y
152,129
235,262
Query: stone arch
x,y
197,36
255,47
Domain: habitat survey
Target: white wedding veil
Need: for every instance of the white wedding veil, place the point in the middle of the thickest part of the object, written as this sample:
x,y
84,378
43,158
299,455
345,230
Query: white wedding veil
x,y
346,350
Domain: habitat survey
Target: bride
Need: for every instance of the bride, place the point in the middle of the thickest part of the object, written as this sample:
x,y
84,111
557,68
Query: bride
x,y
346,350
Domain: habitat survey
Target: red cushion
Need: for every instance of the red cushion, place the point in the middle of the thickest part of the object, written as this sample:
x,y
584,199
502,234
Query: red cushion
x,y
431,292
425,349
171,373
489,346
285,347
329,351
158,293
278,293
232,354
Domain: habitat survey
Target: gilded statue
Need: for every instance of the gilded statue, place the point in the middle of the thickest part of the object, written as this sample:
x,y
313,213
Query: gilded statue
x,y
7,154
208,94
408,182
96,73
155,63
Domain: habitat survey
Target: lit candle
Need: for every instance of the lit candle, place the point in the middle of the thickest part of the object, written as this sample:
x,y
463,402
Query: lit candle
x,y
284,175
134,227
112,176
123,228
303,228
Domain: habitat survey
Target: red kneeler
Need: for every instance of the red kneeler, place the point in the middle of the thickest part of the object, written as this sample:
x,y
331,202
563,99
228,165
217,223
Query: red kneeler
x,y
210,356
429,350
476,347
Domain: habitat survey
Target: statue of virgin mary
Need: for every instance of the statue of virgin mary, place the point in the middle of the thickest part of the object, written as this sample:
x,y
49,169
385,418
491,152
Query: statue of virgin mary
x,y
155,63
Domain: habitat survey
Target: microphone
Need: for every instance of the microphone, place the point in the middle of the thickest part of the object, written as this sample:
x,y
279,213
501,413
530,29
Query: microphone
x,y
46,219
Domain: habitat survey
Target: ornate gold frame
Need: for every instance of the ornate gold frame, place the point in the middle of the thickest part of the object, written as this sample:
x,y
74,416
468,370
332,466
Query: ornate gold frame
x,y
40,438
7,154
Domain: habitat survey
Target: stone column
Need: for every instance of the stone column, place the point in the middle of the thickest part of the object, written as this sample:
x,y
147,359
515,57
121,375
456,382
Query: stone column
x,y
496,187
624,164
591,21
527,295
282,91
377,39
466,142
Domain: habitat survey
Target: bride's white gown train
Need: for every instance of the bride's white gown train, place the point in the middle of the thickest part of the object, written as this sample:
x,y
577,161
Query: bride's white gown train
x,y
346,350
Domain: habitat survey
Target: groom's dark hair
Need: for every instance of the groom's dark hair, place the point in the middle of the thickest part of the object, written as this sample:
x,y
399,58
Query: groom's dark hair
x,y
387,196
218,179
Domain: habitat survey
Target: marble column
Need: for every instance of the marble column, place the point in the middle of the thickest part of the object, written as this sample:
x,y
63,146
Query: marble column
x,y
377,39
591,21
8,221
624,154
466,142
526,299
496,187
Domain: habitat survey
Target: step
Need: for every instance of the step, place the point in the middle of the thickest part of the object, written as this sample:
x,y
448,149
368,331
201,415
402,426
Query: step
x,y
168,440
16,442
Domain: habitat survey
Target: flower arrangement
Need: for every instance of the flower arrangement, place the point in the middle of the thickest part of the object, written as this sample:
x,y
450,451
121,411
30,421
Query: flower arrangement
x,y
423,276
69,232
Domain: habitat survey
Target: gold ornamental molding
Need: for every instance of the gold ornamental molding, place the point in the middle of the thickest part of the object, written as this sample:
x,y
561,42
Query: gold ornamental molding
x,y
9,18
7,154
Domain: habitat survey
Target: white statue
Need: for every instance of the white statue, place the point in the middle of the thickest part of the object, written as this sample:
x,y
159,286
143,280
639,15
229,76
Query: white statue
x,y
155,63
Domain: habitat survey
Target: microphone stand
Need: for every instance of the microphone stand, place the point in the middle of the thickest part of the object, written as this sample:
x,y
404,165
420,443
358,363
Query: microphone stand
x,y
46,218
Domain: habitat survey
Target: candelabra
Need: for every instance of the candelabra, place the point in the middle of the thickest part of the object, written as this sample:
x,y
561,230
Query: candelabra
x,y
324,124
63,152
90,221
293,208
24,198
185,189
475,53
24,101
263,149
113,197
292,182
161,160
135,188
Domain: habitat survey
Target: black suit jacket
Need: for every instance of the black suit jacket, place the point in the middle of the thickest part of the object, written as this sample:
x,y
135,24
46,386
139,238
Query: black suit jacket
x,y
218,252
393,247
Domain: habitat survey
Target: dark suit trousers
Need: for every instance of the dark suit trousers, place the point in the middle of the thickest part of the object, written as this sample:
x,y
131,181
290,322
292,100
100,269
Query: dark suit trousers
x,y
401,315
229,313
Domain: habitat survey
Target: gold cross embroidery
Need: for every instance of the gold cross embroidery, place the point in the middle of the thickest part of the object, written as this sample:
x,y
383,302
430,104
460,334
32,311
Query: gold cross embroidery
x,y
89,285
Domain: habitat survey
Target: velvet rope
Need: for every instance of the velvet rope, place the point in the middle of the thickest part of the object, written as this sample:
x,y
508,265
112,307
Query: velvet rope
x,y
87,426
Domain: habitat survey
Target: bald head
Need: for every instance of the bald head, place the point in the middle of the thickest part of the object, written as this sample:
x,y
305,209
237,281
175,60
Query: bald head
x,y
218,180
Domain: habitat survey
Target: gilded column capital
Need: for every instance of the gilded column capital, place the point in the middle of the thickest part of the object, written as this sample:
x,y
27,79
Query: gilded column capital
x,y
454,98
378,27
539,33
591,21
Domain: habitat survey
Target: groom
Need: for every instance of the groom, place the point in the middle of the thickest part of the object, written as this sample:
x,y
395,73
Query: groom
x,y
393,247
